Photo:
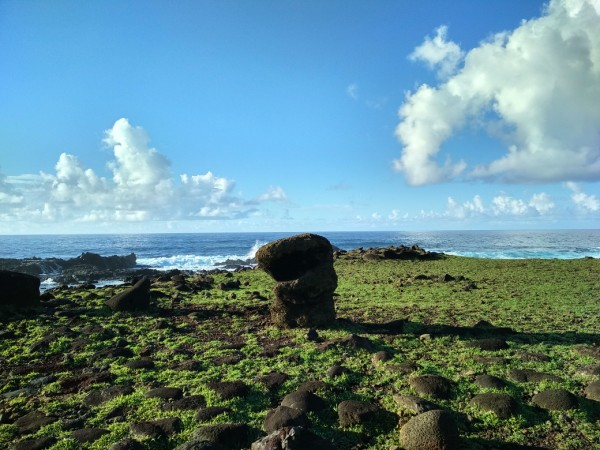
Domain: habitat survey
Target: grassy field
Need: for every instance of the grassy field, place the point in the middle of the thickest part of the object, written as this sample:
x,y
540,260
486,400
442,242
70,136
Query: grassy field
x,y
552,308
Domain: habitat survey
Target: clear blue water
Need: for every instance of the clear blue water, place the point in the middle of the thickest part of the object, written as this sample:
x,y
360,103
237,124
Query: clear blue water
x,y
205,250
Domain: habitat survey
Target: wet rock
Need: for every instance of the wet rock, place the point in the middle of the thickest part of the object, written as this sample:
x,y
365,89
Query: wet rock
x,y
414,404
489,381
502,405
555,399
133,298
284,416
19,290
302,265
304,401
433,385
292,438
354,412
432,430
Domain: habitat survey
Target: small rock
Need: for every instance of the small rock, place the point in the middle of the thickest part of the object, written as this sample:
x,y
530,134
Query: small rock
x,y
432,430
353,412
432,385
284,416
165,393
127,444
502,404
230,435
292,438
489,381
531,376
185,403
33,421
555,399
380,357
142,363
229,389
86,435
592,390
272,380
210,412
304,401
414,404
336,370
34,444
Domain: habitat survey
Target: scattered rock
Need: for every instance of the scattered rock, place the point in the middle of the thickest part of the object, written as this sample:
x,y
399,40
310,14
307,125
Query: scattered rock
x,y
312,386
33,421
292,438
534,357
229,389
491,344
304,401
272,380
336,370
432,430
404,368
229,435
593,371
35,443
354,412
100,396
185,403
503,405
86,435
284,416
210,412
433,385
133,298
489,381
165,393
127,444
555,399
414,404
142,363
531,376
380,357
592,390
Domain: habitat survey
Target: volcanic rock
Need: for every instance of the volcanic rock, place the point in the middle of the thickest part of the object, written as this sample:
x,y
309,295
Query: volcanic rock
x,y
502,404
432,430
284,416
133,298
19,290
353,412
292,438
302,265
555,399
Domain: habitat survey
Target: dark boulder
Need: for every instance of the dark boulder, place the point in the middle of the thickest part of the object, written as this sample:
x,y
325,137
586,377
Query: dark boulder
x,y
290,258
292,438
354,412
432,385
503,405
555,399
284,416
19,289
133,298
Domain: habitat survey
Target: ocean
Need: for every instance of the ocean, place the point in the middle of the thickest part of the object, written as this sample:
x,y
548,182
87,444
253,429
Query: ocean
x,y
206,250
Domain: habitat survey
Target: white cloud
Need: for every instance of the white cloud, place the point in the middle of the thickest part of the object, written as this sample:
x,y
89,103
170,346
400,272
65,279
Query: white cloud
x,y
502,206
538,86
438,53
583,201
352,91
142,188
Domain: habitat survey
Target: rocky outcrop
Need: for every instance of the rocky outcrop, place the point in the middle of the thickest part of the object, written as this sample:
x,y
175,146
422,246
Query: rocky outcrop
x,y
303,267
19,290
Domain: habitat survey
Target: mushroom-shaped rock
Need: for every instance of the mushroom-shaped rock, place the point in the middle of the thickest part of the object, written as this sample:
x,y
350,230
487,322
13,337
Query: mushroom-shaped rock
x,y
432,430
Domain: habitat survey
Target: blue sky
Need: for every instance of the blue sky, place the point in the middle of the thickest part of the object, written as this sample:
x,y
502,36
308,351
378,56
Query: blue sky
x,y
298,115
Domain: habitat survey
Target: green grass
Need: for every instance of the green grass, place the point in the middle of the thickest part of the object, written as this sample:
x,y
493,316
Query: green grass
x,y
552,306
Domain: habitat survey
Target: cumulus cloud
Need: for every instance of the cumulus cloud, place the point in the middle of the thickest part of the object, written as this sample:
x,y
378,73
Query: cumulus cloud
x,y
438,53
142,188
502,205
585,202
537,88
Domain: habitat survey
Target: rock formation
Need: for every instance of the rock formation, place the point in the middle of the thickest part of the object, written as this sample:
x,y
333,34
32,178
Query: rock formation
x,y
19,290
302,265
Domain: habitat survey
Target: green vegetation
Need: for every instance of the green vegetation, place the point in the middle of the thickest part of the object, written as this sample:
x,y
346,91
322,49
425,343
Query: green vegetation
x,y
551,306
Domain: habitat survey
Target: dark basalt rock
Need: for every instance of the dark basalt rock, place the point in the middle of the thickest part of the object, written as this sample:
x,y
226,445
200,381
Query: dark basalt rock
x,y
304,401
210,412
127,444
165,393
19,290
489,381
34,444
502,404
531,376
292,438
284,416
33,421
432,430
592,390
229,389
414,404
86,435
555,399
133,298
354,412
229,435
432,385
272,380
186,403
